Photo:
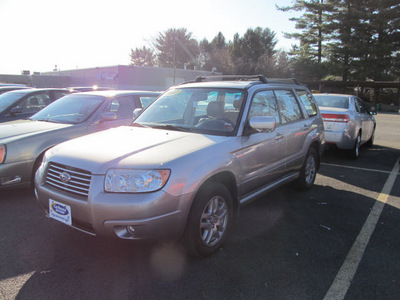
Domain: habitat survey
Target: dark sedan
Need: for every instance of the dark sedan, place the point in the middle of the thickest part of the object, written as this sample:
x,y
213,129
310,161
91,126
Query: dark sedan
x,y
23,142
23,103
9,88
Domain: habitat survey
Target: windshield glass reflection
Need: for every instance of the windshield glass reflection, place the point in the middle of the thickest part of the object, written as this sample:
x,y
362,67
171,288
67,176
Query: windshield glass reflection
x,y
206,110
71,109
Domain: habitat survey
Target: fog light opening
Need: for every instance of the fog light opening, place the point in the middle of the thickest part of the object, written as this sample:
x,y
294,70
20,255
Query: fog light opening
x,y
131,230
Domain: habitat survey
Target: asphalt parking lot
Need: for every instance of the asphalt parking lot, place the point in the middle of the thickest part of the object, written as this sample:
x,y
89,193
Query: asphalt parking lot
x,y
339,240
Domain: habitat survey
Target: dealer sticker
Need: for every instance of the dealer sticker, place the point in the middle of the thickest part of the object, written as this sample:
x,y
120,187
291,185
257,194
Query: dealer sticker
x,y
60,212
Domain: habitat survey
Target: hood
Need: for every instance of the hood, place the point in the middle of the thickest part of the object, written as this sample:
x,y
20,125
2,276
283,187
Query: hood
x,y
22,128
125,146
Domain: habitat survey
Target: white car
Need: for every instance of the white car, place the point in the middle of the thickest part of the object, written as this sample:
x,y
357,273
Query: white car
x,y
348,122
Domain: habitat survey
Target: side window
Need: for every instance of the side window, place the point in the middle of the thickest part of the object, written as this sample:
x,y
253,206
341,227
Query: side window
x,y
146,100
59,94
360,106
308,101
122,106
288,106
34,103
264,104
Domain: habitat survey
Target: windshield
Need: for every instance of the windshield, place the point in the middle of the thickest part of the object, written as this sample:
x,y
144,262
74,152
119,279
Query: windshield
x,y
205,110
332,101
8,99
71,109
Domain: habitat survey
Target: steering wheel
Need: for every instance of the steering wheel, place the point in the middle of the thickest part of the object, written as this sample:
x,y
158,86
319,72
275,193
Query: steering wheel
x,y
216,124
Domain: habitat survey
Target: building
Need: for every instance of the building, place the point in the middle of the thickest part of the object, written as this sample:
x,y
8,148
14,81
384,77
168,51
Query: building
x,y
117,77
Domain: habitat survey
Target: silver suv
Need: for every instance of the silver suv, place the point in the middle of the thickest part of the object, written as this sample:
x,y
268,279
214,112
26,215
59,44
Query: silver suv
x,y
188,163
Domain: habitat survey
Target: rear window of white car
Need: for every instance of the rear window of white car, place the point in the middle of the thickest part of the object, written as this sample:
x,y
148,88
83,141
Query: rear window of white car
x,y
332,101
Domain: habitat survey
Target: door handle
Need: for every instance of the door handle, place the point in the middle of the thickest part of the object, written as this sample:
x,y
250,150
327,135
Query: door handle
x,y
279,136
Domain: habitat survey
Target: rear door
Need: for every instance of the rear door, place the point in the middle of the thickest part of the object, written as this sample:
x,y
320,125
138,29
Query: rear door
x,y
367,123
294,127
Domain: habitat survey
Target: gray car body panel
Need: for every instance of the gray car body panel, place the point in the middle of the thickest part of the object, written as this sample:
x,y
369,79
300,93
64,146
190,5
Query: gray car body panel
x,y
27,140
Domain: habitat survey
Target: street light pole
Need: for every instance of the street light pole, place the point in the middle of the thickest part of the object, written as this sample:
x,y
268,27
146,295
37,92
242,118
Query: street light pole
x,y
174,59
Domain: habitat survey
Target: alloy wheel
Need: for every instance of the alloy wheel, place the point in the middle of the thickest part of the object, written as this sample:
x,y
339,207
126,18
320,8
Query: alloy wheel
x,y
214,221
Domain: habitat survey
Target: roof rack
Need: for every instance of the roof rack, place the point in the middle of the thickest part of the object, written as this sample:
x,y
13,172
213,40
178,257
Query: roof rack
x,y
283,80
261,78
231,77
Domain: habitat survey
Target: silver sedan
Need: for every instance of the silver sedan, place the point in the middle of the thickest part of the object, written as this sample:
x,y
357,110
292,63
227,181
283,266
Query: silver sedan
x,y
348,122
24,142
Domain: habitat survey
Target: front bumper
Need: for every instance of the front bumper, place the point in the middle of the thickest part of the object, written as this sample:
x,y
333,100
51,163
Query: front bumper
x,y
156,215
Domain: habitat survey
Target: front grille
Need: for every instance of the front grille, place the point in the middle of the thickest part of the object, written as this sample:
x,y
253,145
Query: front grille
x,y
77,183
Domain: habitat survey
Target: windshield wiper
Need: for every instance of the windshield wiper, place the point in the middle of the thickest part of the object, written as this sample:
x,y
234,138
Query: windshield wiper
x,y
170,127
47,120
139,125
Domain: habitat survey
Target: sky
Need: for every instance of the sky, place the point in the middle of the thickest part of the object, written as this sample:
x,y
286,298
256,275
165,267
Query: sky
x,y
38,35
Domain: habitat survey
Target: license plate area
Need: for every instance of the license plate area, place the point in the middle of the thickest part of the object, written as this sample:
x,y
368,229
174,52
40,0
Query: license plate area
x,y
60,212
328,126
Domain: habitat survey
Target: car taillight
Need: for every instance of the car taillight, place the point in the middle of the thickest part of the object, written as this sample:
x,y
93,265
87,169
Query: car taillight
x,y
336,118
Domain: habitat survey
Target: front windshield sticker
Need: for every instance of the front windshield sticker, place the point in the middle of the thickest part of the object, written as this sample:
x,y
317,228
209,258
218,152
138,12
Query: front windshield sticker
x,y
173,92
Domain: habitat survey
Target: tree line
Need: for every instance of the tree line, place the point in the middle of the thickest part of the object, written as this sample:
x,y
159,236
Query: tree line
x,y
337,39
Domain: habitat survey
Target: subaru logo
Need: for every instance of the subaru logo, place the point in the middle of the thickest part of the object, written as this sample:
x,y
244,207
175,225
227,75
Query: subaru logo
x,y
65,177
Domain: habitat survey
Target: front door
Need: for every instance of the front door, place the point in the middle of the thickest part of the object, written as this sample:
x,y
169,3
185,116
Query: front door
x,y
263,153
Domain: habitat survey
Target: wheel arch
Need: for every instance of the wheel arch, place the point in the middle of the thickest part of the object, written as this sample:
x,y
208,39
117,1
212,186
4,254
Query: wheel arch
x,y
317,147
227,179
37,163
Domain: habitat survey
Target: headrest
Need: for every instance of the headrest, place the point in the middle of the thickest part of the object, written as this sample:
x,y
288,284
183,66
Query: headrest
x,y
215,109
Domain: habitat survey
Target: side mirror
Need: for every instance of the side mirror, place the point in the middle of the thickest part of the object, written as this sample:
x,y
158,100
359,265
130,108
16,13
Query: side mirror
x,y
262,123
108,116
136,113
16,110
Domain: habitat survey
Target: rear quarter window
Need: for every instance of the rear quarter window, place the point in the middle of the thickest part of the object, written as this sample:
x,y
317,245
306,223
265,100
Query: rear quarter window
x,y
308,101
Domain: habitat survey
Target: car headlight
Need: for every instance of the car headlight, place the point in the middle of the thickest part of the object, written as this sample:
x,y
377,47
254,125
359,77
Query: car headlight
x,y
135,181
3,152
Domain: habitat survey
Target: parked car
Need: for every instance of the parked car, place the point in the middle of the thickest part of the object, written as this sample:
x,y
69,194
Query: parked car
x,y
23,142
8,88
348,122
188,162
23,103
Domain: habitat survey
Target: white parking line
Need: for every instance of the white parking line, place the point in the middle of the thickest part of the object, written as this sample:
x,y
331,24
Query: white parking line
x,y
343,279
356,168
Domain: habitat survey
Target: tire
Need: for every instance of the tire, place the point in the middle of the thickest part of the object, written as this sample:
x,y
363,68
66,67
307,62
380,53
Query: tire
x,y
355,152
209,220
370,142
308,171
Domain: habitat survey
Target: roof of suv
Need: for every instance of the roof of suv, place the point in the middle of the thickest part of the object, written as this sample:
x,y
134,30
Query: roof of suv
x,y
112,93
237,81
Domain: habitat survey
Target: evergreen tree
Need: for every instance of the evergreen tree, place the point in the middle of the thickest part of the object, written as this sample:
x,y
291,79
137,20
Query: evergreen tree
x,y
216,55
253,53
143,57
177,48
313,24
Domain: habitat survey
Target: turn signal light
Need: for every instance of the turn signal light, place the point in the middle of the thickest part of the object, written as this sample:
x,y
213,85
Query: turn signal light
x,y
2,153
336,118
